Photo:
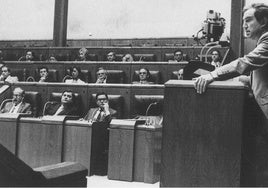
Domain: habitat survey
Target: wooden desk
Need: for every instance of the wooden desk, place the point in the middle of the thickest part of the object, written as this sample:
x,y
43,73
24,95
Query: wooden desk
x,y
77,142
134,151
8,130
40,140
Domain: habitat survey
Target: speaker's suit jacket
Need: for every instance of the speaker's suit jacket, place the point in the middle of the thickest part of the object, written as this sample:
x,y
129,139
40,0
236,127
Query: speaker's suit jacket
x,y
257,62
92,112
71,110
24,108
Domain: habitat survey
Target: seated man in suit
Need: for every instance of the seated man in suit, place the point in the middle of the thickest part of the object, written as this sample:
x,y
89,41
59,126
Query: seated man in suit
x,y
144,77
6,77
67,106
44,76
17,105
28,57
101,76
103,113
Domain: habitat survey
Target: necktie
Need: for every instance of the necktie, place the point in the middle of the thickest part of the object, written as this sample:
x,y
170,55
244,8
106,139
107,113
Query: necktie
x,y
12,109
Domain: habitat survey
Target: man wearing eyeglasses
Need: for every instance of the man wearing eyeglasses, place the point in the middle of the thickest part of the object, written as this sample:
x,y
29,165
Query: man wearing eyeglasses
x,y
144,77
101,76
17,105
103,113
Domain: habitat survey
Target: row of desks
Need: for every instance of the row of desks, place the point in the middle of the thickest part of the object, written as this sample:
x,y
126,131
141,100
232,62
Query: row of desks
x,y
51,140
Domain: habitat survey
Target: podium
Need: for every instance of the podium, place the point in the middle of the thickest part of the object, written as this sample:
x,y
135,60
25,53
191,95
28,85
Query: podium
x,y
202,135
134,151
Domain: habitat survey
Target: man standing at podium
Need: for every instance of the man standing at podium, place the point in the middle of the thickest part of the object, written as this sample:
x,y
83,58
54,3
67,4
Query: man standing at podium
x,y
255,24
17,105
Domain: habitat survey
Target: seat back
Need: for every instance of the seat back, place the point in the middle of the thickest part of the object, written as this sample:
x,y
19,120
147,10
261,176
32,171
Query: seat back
x,y
22,74
144,57
34,98
62,57
11,57
92,57
116,102
87,76
152,104
155,77
115,76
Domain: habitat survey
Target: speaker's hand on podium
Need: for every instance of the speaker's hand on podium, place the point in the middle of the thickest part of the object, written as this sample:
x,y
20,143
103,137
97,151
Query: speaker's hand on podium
x,y
202,82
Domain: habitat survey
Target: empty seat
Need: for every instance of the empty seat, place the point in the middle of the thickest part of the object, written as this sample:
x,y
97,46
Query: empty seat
x,y
34,98
92,57
148,105
155,77
116,102
62,57
115,76
22,74
144,57
86,76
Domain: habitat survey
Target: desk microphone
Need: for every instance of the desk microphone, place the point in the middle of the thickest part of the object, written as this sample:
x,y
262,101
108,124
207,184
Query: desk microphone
x,y
149,107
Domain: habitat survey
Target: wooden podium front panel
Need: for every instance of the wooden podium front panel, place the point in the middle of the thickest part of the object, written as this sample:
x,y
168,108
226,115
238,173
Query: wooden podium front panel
x,y
8,131
147,154
121,148
39,143
77,142
202,135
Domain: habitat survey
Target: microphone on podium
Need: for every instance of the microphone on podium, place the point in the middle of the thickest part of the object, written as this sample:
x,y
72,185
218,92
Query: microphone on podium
x,y
45,106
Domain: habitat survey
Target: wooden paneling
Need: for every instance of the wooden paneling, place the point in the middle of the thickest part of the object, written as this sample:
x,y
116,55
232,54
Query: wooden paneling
x,y
147,154
121,150
8,131
202,135
77,142
40,141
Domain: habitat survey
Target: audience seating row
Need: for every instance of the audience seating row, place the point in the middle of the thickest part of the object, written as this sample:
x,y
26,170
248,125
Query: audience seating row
x,y
129,100
117,72
99,53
